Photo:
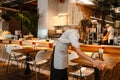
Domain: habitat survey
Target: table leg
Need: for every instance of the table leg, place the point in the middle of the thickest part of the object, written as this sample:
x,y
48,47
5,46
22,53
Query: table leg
x,y
0,41
96,74
10,41
27,68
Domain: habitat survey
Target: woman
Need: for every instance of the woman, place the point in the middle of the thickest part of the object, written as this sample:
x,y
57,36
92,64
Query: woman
x,y
70,37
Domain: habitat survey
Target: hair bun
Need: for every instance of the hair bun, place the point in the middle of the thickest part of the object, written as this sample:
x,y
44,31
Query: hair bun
x,y
86,22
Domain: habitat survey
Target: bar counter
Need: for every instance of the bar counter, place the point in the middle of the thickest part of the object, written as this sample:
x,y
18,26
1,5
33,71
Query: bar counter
x,y
111,69
109,49
111,57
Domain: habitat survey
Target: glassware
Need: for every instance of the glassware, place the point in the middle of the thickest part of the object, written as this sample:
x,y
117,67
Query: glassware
x,y
101,50
20,42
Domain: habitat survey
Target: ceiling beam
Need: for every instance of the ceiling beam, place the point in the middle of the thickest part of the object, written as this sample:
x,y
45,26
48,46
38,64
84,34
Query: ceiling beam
x,y
11,9
16,3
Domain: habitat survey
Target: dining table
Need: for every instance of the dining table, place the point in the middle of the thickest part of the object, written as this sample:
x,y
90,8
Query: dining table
x,y
8,40
110,72
27,51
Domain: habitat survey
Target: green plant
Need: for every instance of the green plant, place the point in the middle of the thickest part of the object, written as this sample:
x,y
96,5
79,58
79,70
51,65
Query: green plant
x,y
30,20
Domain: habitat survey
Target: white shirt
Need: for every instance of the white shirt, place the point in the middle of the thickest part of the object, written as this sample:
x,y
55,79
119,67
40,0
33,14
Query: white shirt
x,y
111,35
70,36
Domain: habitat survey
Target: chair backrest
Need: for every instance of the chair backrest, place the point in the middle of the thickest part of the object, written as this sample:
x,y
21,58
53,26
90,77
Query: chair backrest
x,y
43,55
9,48
71,56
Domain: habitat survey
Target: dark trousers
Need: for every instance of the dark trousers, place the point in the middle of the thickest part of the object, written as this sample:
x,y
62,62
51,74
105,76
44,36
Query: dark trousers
x,y
57,74
111,42
106,42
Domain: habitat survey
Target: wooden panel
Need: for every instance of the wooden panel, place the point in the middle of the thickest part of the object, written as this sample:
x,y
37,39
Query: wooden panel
x,y
107,48
112,50
90,48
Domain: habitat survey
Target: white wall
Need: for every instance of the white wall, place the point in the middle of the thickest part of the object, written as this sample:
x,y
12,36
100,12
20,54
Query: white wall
x,y
47,10
52,11
63,7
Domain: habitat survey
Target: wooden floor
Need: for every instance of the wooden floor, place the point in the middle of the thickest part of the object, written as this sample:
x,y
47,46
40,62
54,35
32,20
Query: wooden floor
x,y
13,74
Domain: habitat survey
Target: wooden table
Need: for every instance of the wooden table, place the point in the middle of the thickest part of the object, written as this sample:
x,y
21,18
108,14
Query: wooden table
x,y
9,40
27,52
110,60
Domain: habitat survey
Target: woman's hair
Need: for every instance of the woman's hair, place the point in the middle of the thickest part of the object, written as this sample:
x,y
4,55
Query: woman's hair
x,y
84,23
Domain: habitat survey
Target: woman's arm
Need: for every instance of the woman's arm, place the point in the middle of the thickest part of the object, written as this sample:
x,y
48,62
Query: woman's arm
x,y
96,63
106,36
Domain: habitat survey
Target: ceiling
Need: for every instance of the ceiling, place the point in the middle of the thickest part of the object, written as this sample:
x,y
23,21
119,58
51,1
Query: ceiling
x,y
107,3
109,7
31,5
16,5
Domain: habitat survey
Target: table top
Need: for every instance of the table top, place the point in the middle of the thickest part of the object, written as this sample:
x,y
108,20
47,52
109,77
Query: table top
x,y
109,59
30,50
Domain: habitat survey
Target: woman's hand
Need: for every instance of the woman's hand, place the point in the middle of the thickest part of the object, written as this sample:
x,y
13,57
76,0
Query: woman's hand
x,y
96,63
99,64
104,38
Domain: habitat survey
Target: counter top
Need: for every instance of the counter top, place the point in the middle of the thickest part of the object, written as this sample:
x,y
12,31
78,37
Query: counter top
x,y
100,45
94,48
111,70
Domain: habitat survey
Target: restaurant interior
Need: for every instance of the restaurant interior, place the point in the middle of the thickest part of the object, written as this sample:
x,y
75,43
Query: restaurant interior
x,y
31,27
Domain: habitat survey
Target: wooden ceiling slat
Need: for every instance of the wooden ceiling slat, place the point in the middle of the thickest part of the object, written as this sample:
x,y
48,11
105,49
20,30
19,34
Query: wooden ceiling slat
x,y
27,5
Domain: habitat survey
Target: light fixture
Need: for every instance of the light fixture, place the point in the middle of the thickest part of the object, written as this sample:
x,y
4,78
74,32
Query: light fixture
x,y
60,20
87,2
117,10
56,21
